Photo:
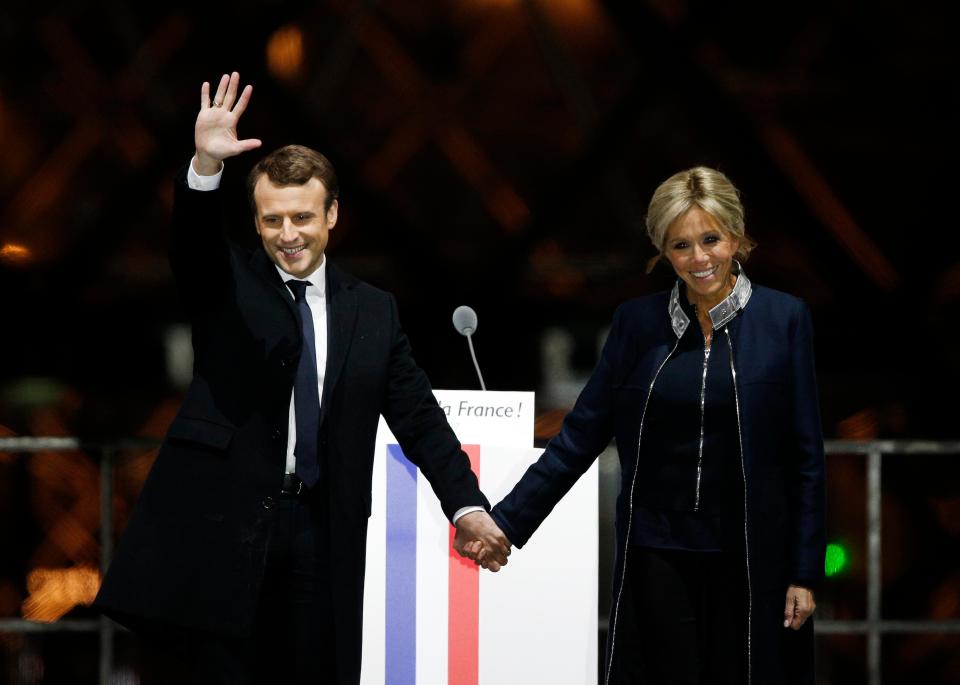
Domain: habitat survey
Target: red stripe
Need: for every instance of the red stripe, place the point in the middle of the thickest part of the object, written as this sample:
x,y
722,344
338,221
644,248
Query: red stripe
x,y
464,607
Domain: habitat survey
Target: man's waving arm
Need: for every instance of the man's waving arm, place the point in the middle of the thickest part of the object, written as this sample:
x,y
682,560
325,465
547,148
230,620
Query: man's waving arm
x,y
198,251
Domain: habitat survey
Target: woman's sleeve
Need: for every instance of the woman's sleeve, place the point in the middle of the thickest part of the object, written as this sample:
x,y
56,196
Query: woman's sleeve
x,y
805,478
586,431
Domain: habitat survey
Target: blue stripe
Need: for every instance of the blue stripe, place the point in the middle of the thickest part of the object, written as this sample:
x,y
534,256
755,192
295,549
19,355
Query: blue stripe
x,y
401,620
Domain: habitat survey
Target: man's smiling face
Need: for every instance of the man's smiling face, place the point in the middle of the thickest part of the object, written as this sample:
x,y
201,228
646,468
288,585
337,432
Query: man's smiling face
x,y
294,224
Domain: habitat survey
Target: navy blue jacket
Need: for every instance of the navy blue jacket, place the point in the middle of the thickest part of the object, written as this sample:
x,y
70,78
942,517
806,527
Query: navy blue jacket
x,y
771,341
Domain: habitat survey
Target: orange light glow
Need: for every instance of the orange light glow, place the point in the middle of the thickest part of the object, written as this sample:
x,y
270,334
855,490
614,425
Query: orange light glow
x,y
15,254
864,425
497,4
55,591
285,52
575,13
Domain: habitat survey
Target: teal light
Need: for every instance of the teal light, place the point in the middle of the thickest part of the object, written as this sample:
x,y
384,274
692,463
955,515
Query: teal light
x,y
837,559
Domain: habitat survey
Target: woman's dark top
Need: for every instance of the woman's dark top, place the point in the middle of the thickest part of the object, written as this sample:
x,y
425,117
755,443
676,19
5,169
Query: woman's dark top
x,y
668,512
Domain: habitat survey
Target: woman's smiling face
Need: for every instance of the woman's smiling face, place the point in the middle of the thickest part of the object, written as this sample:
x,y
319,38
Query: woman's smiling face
x,y
701,253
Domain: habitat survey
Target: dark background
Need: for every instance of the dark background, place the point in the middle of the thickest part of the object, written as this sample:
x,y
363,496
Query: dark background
x,y
497,153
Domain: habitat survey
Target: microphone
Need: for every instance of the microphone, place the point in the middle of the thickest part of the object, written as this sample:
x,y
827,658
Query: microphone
x,y
465,321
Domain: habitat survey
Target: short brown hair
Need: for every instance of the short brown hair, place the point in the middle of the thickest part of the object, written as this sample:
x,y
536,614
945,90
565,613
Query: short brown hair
x,y
294,165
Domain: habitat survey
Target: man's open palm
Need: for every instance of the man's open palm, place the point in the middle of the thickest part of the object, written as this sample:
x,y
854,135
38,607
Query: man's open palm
x,y
215,133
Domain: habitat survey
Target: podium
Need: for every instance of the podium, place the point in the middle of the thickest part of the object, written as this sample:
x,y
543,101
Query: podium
x,y
433,618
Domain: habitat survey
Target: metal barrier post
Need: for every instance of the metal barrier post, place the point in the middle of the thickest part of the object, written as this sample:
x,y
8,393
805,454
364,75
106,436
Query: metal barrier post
x,y
106,552
874,566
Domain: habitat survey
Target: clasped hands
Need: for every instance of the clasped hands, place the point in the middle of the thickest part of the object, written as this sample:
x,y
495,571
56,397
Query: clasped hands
x,y
480,539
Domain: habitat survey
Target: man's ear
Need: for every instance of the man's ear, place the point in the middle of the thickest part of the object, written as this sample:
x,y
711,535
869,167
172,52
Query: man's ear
x,y
256,217
332,214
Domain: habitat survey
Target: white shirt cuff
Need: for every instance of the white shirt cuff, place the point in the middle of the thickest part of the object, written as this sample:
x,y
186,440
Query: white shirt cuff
x,y
463,511
198,182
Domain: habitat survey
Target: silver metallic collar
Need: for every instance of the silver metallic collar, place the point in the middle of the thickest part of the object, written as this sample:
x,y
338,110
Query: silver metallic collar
x,y
721,314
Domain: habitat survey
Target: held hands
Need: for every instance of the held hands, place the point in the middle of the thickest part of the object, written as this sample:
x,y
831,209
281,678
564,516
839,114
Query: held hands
x,y
799,607
479,538
215,133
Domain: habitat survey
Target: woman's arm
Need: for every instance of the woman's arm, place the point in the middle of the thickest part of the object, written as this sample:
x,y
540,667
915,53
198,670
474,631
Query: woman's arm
x,y
806,471
586,431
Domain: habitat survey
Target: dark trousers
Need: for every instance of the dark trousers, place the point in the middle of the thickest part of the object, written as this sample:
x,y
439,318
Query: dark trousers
x,y
293,640
683,619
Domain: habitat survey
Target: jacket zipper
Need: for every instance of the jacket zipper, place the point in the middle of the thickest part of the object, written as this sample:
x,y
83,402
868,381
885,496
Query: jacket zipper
x,y
746,534
703,398
746,539
626,546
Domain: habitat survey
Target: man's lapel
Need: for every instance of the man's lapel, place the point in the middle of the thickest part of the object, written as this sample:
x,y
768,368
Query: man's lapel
x,y
341,317
267,270
341,321
276,325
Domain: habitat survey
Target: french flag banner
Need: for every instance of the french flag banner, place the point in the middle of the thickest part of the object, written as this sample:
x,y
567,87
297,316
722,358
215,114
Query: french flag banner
x,y
433,618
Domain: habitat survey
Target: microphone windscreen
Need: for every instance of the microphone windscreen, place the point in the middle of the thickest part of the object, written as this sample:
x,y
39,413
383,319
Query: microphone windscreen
x,y
465,320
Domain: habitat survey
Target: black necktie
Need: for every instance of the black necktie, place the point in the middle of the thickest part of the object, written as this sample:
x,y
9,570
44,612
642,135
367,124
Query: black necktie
x,y
306,395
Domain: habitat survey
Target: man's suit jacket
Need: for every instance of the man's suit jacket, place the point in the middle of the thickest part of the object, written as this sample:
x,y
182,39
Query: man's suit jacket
x,y
193,552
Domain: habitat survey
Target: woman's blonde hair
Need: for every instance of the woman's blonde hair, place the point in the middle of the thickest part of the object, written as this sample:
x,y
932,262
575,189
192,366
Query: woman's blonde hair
x,y
708,189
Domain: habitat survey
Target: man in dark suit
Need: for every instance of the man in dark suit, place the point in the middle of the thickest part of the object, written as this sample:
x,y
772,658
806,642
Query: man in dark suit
x,y
247,545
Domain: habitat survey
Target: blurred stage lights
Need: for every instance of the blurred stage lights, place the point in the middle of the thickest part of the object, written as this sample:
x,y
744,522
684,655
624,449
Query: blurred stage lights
x,y
14,253
837,559
55,591
285,52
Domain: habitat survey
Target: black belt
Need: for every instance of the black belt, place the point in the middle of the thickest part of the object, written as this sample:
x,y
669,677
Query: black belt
x,y
292,486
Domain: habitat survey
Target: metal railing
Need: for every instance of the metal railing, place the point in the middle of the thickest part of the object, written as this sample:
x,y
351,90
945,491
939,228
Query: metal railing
x,y
874,627
108,453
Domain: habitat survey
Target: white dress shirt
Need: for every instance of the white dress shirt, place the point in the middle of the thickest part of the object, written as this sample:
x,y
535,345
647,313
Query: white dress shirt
x,y
317,299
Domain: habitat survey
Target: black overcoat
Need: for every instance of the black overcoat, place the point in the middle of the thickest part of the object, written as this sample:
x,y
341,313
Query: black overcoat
x,y
782,460
193,553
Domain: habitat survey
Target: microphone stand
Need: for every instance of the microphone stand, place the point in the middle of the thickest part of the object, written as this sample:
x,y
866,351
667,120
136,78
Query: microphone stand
x,y
473,355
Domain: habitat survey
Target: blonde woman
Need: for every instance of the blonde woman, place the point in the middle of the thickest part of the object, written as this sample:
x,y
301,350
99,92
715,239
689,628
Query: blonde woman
x,y
710,392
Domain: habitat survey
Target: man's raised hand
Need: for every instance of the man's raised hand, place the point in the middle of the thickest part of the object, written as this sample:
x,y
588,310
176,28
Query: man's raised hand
x,y
215,133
